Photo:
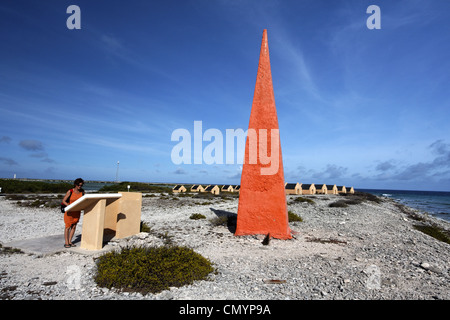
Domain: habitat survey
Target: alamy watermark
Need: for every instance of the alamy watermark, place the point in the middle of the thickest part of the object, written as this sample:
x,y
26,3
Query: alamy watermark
x,y
263,147
74,20
374,277
73,280
374,21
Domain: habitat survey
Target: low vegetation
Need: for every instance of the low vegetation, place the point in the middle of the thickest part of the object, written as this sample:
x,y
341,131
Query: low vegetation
x,y
322,240
144,227
302,199
10,186
359,196
354,199
151,270
36,200
338,204
197,216
293,217
225,220
408,211
136,187
204,203
9,250
434,232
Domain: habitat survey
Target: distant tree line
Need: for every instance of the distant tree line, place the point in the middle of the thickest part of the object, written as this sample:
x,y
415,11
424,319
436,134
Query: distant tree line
x,y
135,187
19,186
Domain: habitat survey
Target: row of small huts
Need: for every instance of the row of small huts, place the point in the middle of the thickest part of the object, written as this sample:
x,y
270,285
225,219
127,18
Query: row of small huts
x,y
300,188
214,189
290,188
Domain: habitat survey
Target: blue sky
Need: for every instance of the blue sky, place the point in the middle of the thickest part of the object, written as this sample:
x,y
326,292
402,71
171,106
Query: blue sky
x,y
359,107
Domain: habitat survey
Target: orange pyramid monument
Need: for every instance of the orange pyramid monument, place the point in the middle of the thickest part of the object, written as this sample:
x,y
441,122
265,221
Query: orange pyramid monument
x,y
262,201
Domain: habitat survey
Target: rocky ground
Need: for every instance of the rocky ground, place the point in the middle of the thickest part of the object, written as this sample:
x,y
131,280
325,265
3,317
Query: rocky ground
x,y
367,250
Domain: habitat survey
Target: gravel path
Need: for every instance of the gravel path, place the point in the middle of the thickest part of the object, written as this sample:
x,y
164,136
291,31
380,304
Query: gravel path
x,y
364,251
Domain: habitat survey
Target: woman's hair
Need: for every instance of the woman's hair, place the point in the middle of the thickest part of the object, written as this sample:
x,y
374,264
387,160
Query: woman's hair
x,y
78,181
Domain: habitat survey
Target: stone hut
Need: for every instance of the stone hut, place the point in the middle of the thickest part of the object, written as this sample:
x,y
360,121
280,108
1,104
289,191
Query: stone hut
x,y
308,188
331,189
227,188
342,189
292,188
197,188
179,188
214,189
321,188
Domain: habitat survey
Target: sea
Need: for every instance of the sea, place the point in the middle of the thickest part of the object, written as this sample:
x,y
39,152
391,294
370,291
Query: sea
x,y
435,203
90,186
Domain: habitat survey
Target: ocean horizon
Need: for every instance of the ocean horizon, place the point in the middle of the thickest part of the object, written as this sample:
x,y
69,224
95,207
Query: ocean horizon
x,y
435,203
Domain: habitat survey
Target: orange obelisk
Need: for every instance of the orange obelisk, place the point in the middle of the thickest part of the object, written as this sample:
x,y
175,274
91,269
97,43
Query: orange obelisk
x,y
262,201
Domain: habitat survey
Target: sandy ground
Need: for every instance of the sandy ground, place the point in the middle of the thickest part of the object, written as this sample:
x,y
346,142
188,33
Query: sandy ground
x,y
364,251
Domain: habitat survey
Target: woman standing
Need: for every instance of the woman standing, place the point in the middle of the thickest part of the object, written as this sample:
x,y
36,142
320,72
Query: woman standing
x,y
71,218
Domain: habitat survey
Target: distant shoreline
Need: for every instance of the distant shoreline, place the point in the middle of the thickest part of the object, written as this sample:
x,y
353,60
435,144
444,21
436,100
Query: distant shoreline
x,y
436,203
369,190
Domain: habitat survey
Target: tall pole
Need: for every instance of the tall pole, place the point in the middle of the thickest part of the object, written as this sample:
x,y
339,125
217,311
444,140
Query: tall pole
x,y
117,172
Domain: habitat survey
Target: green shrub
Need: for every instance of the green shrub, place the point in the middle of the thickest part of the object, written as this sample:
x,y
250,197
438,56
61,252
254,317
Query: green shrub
x,y
303,199
9,250
345,203
338,204
362,196
434,232
144,227
197,216
206,203
294,217
353,201
151,270
368,196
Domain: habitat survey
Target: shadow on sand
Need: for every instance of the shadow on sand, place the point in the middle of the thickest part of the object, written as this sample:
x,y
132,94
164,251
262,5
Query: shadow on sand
x,y
226,218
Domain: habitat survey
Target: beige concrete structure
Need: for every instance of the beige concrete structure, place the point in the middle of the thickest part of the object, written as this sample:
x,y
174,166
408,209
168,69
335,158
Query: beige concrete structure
x,y
331,189
117,214
350,190
197,188
227,188
214,189
308,188
341,189
237,188
292,188
179,188
321,188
